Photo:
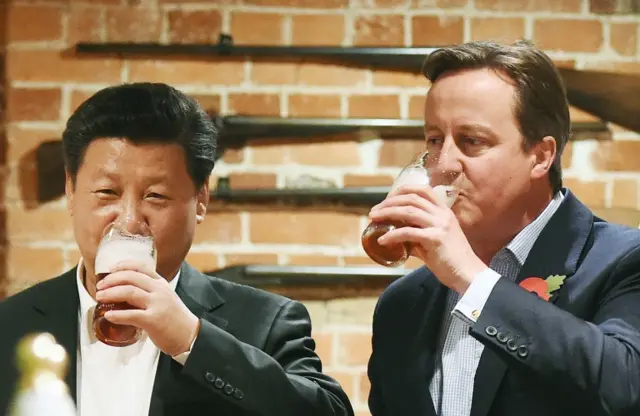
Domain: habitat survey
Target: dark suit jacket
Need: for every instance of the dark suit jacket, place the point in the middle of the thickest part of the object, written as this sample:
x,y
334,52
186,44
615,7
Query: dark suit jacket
x,y
578,354
253,355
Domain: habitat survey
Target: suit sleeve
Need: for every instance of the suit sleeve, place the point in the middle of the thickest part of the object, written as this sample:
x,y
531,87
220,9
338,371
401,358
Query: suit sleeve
x,y
285,380
597,360
375,402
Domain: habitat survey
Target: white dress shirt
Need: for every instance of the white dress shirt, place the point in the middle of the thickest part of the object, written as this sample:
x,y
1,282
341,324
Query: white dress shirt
x,y
458,352
113,381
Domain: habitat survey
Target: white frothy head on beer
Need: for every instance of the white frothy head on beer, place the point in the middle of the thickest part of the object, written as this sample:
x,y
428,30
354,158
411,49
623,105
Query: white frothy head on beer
x,y
118,246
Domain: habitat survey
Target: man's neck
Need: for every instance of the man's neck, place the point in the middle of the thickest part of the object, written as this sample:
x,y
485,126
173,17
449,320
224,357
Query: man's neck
x,y
487,244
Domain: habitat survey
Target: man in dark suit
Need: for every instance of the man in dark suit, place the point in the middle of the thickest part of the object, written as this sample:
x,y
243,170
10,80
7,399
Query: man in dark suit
x,y
465,335
143,153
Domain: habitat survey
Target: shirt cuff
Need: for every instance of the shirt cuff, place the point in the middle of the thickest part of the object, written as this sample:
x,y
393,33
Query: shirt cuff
x,y
182,358
470,305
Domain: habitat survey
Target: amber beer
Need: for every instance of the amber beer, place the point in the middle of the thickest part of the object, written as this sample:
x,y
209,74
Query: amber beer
x,y
116,246
415,173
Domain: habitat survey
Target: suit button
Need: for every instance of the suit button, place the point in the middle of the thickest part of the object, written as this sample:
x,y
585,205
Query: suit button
x,y
511,345
219,383
491,331
228,389
238,394
523,351
209,377
502,337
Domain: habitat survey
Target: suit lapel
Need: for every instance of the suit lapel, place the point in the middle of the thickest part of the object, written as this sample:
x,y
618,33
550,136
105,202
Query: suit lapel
x,y
198,294
411,371
59,309
558,250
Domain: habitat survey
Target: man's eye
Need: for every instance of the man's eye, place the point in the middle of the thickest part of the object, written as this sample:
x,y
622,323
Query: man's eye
x,y
105,191
155,195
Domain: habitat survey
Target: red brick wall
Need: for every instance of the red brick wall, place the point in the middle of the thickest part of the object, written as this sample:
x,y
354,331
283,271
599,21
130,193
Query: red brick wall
x,y
46,82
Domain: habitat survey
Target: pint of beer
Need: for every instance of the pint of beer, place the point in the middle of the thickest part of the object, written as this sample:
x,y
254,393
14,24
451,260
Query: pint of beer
x,y
119,244
416,173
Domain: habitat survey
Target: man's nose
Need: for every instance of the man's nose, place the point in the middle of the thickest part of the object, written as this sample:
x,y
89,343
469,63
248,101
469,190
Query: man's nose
x,y
130,216
448,158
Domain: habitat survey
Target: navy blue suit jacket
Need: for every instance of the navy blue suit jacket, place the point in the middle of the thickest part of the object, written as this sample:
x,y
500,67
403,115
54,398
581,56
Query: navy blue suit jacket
x,y
578,354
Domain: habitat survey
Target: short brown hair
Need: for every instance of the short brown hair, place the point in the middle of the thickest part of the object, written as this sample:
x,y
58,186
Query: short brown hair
x,y
541,106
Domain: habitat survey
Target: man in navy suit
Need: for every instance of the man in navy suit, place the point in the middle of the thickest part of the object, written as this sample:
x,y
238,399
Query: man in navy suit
x,y
528,304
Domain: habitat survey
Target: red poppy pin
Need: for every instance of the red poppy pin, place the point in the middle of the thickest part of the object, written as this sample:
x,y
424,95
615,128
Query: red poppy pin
x,y
543,287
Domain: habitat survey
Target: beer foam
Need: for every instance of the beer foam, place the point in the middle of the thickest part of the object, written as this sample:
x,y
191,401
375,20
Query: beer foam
x,y
447,194
112,252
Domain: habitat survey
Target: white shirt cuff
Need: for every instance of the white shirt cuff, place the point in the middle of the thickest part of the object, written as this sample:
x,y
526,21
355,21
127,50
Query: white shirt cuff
x,y
182,358
470,305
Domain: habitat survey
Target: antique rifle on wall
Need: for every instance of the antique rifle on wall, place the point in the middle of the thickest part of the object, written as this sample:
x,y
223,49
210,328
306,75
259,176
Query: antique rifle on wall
x,y
612,97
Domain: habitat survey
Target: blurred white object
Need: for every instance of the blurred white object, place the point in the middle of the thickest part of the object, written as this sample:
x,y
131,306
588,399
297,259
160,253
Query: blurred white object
x,y
41,390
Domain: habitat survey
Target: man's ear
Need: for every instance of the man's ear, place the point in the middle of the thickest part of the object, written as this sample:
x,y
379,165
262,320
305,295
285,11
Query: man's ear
x,y
545,154
69,190
203,201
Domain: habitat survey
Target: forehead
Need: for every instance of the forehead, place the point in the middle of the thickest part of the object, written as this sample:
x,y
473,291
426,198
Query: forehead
x,y
117,156
471,95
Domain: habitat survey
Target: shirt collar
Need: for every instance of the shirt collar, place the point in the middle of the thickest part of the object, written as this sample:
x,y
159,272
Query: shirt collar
x,y
523,242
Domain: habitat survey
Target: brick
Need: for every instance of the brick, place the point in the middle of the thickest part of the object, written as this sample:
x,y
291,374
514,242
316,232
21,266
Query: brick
x,y
497,29
354,348
305,29
364,387
565,6
233,155
567,156
54,66
624,38
438,4
625,193
219,228
324,346
209,102
353,311
29,265
85,24
43,224
613,66
254,104
329,153
379,30
250,258
591,193
187,72
619,155
399,152
269,154
279,73
133,24
416,106
325,75
78,97
22,141
384,78
411,263
347,381
375,106
366,180
314,105
33,104
609,6
568,35
257,28
247,180
437,30
325,228
312,260
197,26
320,4
34,23
204,262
